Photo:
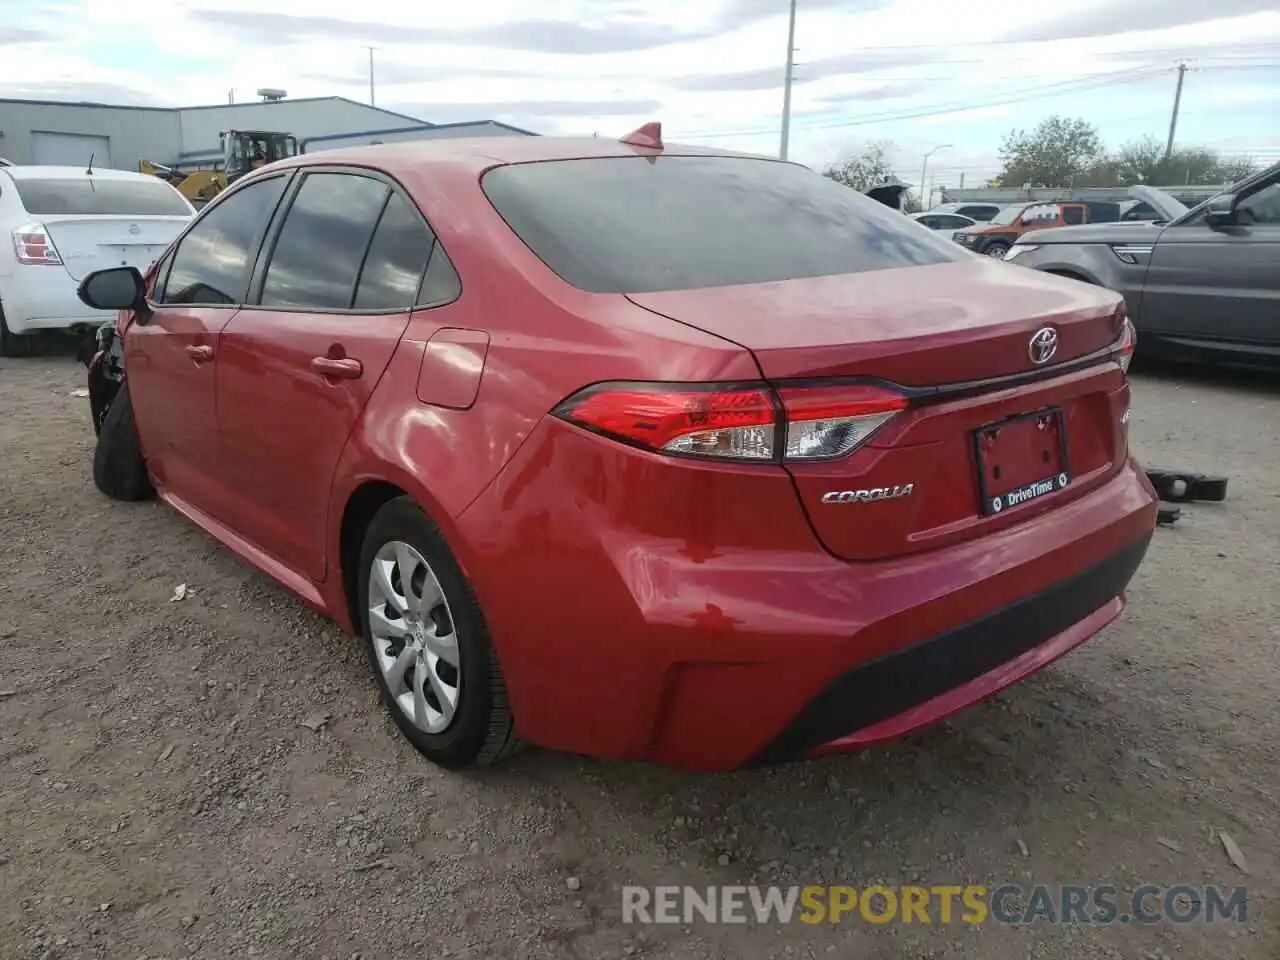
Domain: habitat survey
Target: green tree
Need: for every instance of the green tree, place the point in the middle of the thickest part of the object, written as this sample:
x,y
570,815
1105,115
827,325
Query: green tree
x,y
1059,152
1142,161
866,170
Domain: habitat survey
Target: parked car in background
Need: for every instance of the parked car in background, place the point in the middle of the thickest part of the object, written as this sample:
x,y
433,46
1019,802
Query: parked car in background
x,y
1199,284
945,223
977,211
514,409
994,239
58,224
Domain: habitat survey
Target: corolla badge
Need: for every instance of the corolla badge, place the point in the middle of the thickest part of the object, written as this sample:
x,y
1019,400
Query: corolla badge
x,y
1043,345
865,496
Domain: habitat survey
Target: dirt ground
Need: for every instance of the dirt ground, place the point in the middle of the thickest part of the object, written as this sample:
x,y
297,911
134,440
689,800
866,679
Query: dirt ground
x,y
160,795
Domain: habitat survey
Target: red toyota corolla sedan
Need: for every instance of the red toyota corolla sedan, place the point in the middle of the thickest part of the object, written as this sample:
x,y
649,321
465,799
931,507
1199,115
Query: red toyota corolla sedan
x,y
636,451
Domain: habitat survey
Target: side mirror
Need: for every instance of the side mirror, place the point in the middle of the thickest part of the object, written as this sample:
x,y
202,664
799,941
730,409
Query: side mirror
x,y
116,288
1221,211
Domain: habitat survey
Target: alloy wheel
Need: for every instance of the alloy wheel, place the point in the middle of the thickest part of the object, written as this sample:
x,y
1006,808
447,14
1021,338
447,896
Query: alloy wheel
x,y
414,638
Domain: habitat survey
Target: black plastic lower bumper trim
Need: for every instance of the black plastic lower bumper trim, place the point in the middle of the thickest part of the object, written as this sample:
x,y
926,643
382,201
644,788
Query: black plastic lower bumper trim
x,y
898,681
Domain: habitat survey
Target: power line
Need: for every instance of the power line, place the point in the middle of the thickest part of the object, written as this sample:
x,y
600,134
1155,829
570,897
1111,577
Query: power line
x,y
1098,81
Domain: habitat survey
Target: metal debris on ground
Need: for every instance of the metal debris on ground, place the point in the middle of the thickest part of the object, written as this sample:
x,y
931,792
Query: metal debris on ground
x,y
1234,852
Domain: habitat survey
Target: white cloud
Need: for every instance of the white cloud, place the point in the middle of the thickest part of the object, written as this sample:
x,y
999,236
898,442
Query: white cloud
x,y
915,72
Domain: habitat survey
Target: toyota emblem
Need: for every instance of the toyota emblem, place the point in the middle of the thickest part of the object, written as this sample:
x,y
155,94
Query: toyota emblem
x,y
134,229
1043,345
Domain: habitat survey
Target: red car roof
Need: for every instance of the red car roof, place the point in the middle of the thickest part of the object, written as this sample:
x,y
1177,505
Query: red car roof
x,y
480,153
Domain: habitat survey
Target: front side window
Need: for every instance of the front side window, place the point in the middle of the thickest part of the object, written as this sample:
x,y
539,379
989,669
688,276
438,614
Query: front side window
x,y
1262,206
641,224
1073,215
212,262
323,242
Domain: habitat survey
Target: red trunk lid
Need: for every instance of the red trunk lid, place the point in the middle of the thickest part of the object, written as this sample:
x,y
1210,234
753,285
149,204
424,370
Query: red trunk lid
x,y
916,326
924,327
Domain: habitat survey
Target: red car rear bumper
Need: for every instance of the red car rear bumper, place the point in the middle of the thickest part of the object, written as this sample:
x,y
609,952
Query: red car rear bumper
x,y
628,627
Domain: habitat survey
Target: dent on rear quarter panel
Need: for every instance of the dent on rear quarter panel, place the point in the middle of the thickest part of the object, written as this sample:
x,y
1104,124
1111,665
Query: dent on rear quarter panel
x,y
546,340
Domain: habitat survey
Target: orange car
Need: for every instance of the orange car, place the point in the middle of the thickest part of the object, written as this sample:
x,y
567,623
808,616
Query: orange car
x,y
995,237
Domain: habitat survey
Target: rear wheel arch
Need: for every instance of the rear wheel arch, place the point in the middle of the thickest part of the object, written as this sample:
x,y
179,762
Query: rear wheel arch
x,y
361,507
371,493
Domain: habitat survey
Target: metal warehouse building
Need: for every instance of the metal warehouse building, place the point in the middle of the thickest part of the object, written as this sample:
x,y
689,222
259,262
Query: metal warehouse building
x,y
52,132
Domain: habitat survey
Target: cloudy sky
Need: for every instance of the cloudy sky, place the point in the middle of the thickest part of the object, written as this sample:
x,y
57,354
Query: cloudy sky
x,y
917,73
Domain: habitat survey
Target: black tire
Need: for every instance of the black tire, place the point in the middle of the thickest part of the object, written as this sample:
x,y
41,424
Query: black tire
x,y
482,731
119,468
995,251
14,344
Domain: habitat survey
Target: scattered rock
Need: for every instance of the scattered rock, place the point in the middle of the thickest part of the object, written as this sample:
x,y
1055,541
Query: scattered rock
x,y
573,883
1171,844
1022,848
374,865
179,593
165,754
316,722
724,859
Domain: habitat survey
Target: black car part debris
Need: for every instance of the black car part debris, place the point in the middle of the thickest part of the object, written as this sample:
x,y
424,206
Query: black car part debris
x,y
1165,516
1179,487
106,373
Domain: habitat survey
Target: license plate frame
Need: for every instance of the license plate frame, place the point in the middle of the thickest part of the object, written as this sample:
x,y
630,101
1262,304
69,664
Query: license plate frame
x,y
992,504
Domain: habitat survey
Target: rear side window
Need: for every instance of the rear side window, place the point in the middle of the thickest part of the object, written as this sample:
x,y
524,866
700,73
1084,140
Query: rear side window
x,y
637,224
397,259
92,196
323,242
212,262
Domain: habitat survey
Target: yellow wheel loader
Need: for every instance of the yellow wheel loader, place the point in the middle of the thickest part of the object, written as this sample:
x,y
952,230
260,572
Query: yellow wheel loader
x,y
242,151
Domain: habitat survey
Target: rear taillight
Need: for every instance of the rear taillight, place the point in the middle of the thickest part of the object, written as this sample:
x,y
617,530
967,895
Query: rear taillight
x,y
735,421
33,245
831,421
1126,345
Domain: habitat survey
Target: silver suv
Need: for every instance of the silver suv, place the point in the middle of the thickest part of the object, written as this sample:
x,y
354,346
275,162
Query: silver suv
x,y
1200,284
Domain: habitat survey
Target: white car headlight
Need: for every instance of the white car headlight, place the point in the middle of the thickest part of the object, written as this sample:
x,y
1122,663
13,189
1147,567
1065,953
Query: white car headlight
x,y
1018,249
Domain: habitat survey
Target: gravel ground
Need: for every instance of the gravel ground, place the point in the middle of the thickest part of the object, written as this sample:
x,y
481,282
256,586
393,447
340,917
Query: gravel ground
x,y
163,797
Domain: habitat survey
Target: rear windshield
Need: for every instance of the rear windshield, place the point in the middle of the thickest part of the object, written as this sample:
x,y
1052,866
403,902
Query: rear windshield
x,y
639,224
89,196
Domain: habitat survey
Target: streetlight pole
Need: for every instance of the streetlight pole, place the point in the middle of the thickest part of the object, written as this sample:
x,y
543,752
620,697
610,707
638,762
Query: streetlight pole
x,y
924,167
786,82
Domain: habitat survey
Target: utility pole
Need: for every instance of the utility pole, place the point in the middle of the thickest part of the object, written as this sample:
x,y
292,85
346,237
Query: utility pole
x,y
961,179
370,49
786,82
1173,120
